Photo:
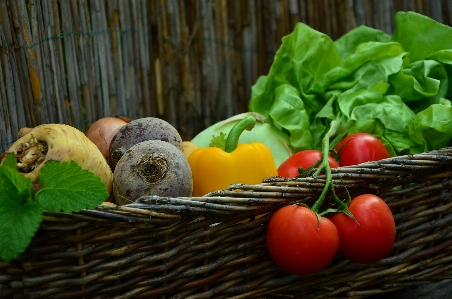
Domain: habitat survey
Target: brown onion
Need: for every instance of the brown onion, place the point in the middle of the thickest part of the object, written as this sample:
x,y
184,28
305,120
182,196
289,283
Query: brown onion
x,y
102,131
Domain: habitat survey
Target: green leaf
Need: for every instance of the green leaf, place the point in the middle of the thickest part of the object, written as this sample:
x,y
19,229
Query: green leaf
x,y
299,68
9,161
432,127
445,58
303,59
20,216
422,79
420,35
288,112
19,222
13,185
219,141
348,43
372,61
69,188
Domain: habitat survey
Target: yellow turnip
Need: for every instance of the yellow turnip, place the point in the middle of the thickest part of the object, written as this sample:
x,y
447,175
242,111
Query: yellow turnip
x,y
58,142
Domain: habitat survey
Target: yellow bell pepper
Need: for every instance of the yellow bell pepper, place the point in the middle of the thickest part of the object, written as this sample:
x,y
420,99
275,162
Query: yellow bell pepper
x,y
215,169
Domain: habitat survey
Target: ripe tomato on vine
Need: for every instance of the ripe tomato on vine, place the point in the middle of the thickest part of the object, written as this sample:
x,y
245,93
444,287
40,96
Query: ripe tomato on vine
x,y
371,236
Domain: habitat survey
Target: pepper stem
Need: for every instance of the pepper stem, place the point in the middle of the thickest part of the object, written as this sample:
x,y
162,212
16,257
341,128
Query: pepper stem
x,y
233,137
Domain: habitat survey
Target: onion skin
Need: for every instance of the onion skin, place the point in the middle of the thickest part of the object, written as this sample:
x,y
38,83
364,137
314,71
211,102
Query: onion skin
x,y
101,132
64,143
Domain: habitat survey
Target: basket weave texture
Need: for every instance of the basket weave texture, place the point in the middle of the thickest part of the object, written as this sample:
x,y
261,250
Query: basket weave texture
x,y
202,247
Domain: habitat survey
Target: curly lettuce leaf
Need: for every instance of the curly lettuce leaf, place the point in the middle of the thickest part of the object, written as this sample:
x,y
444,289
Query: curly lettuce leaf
x,y
347,44
289,112
421,84
420,35
444,57
432,127
301,62
372,62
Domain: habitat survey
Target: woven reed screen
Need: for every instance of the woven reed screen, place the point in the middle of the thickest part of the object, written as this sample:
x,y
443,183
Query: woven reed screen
x,y
190,62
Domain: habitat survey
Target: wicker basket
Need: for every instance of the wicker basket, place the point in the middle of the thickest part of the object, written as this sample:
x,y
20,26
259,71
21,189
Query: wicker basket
x,y
73,62
203,248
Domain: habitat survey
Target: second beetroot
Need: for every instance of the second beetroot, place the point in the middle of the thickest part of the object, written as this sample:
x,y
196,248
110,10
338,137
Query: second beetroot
x,y
139,130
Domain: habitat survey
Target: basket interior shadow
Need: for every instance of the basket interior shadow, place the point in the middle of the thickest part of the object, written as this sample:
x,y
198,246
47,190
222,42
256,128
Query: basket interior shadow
x,y
215,246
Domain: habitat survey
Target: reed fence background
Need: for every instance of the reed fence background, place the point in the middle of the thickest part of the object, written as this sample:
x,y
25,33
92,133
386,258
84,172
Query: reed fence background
x,y
191,62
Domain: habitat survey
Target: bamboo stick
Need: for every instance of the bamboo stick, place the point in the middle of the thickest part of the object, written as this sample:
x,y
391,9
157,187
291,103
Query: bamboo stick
x,y
54,63
130,84
5,129
82,43
30,62
72,70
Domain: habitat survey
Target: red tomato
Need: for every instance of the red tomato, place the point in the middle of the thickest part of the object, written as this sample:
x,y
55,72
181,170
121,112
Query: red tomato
x,y
359,148
296,244
373,238
305,159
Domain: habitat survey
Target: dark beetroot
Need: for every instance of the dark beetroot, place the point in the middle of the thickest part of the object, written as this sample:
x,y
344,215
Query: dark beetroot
x,y
152,167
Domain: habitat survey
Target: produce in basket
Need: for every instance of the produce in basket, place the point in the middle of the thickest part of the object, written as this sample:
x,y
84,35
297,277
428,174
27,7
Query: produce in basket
x,y
198,247
138,130
227,162
152,167
58,142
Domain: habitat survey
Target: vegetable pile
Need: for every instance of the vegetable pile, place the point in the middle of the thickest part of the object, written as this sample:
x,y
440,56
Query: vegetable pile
x,y
57,168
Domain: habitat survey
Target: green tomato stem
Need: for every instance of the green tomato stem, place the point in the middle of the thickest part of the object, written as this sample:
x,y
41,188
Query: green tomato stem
x,y
325,166
342,206
233,137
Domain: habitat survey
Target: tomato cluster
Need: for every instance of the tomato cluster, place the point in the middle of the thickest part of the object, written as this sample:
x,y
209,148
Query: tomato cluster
x,y
302,245
302,242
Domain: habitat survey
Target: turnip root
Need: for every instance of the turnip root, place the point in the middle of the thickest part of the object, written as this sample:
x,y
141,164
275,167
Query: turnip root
x,y
139,130
152,167
58,142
